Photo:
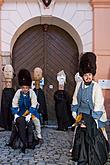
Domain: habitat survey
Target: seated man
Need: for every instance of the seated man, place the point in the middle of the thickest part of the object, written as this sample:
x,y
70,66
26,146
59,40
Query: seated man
x,y
24,107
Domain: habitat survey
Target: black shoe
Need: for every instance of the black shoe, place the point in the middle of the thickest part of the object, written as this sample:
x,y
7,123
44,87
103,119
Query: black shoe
x,y
36,141
62,129
31,146
23,150
65,129
40,141
58,129
9,145
72,129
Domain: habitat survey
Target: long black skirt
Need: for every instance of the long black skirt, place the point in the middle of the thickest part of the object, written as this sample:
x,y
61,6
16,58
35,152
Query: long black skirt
x,y
90,146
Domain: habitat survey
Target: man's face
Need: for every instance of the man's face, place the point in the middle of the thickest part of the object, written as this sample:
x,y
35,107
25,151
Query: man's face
x,y
25,89
88,77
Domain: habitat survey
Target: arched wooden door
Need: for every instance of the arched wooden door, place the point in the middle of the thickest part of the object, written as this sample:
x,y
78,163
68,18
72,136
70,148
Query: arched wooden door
x,y
52,49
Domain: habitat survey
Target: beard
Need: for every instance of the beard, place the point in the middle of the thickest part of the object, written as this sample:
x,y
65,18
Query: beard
x,y
87,83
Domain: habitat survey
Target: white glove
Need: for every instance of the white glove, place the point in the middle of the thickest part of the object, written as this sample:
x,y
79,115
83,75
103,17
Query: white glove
x,y
38,105
74,114
15,117
28,117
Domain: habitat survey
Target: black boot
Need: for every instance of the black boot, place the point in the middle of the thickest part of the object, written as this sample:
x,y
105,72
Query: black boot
x,y
9,144
23,149
40,141
31,146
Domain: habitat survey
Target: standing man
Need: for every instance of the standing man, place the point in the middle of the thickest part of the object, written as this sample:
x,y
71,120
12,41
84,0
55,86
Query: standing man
x,y
24,108
90,144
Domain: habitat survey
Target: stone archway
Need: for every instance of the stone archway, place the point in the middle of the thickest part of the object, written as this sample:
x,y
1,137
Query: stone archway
x,y
52,49
46,20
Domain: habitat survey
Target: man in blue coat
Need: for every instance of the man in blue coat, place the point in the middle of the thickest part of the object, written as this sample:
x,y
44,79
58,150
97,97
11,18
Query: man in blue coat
x,y
24,108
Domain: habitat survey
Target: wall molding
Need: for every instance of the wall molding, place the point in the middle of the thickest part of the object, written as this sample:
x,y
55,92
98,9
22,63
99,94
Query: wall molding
x,y
1,2
100,3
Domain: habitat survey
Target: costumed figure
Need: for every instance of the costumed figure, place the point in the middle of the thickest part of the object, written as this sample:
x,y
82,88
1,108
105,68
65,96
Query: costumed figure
x,y
7,96
24,108
62,103
40,96
90,142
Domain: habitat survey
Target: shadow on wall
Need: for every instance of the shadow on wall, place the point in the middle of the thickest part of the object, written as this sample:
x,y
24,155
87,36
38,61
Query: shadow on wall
x,y
0,65
107,98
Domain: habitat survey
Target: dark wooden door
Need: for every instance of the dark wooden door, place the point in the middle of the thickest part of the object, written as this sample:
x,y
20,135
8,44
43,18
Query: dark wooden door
x,y
52,49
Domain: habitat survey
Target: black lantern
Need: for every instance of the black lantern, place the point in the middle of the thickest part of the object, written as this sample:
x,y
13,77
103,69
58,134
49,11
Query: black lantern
x,y
46,2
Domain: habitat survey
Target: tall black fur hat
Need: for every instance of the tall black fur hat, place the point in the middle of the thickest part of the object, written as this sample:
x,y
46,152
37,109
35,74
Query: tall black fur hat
x,y
24,77
87,64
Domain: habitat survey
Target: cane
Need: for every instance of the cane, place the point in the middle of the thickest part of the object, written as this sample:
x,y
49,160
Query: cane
x,y
78,120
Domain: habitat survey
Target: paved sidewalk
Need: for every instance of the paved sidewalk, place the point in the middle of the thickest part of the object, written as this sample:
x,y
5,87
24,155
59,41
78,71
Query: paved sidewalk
x,y
54,150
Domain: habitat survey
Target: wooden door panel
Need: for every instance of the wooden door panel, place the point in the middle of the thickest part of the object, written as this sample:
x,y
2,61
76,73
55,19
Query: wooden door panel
x,y
28,51
61,52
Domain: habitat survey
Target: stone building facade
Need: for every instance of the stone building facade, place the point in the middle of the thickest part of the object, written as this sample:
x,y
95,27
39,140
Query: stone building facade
x,y
86,21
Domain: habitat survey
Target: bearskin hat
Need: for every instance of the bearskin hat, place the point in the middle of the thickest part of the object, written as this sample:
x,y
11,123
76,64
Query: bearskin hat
x,y
87,64
24,77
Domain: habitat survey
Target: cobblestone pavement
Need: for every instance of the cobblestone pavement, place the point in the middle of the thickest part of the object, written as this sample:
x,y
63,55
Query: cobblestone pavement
x,y
54,150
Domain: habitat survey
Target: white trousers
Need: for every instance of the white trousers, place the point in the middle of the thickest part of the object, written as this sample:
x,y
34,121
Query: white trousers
x,y
37,127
